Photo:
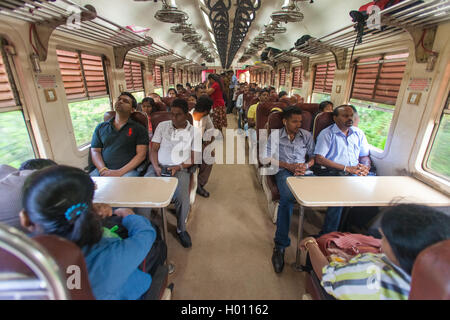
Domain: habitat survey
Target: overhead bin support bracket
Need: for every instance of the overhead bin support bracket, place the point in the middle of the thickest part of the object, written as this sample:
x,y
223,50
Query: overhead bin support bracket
x,y
153,57
423,39
340,54
43,30
120,52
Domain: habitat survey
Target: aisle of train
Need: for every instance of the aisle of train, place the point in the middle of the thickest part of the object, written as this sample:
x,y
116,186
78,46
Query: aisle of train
x,y
232,243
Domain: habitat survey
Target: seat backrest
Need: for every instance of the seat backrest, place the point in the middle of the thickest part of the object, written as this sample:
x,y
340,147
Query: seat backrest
x,y
263,111
313,108
68,255
298,97
273,97
286,100
430,278
161,116
322,120
168,101
137,116
160,106
275,120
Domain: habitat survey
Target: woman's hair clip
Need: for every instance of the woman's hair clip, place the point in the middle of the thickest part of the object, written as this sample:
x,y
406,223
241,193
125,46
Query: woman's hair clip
x,y
75,211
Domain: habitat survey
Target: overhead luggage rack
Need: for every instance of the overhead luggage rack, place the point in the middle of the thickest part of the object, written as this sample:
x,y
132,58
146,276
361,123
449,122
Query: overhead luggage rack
x,y
66,16
410,16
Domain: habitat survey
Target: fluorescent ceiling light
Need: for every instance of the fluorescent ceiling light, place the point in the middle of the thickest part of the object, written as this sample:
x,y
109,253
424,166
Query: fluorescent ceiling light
x,y
208,23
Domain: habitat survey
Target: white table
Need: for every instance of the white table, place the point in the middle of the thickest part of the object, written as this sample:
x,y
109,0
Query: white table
x,y
137,192
352,191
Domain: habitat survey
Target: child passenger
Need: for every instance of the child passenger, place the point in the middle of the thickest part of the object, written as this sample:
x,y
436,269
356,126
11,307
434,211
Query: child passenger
x,y
58,200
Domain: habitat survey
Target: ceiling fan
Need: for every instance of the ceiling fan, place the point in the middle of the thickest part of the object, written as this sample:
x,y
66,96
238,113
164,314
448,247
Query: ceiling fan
x,y
170,14
288,13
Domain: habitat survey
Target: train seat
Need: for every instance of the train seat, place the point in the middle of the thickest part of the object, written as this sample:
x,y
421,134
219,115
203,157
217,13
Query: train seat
x,y
160,106
298,97
168,101
430,279
63,252
313,108
322,121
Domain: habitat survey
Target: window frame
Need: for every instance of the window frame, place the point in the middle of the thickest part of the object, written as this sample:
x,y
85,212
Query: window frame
x,y
13,79
328,63
376,152
86,145
445,110
132,76
300,77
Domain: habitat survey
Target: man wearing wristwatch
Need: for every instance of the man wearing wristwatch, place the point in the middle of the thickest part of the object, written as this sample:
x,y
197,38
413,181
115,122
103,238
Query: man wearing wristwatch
x,y
295,145
172,152
344,150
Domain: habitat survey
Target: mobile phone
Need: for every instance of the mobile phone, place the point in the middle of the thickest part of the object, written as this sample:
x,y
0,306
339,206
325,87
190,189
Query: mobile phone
x,y
165,172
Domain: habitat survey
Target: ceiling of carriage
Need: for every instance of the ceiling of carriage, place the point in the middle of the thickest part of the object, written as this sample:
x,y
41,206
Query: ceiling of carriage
x,y
320,18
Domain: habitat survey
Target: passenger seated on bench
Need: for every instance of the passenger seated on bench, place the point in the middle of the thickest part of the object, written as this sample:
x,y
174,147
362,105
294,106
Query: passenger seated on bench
x,y
155,97
119,146
344,150
58,200
406,230
148,107
11,183
295,144
282,94
172,154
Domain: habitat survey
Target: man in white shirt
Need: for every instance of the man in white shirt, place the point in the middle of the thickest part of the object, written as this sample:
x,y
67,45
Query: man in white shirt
x,y
172,154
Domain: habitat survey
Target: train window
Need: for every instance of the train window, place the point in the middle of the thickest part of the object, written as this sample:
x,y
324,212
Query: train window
x,y
15,144
180,76
171,77
282,81
323,82
297,77
437,161
157,80
374,93
134,79
86,89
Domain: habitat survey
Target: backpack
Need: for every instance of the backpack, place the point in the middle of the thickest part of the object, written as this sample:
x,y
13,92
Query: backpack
x,y
156,256
302,40
351,243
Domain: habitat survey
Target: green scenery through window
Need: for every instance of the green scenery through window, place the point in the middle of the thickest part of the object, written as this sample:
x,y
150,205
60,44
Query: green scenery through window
x,y
15,145
159,91
86,115
139,96
375,121
319,97
438,160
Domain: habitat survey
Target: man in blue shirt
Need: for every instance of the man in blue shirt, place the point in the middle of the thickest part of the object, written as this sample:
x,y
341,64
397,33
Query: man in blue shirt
x,y
295,145
344,150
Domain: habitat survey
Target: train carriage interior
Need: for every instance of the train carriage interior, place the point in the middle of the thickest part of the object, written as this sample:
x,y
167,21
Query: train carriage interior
x,y
75,73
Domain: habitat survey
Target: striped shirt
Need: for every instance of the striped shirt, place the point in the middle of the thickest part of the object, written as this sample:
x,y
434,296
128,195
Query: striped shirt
x,y
366,277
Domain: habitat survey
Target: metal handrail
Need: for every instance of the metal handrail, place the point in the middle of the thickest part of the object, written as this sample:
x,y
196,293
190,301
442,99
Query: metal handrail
x,y
36,258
